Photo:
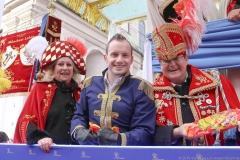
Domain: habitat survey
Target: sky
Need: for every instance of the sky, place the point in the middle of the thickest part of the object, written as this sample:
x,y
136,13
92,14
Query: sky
x,y
6,1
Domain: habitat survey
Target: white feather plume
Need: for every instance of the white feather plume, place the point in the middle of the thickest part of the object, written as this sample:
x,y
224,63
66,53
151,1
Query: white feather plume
x,y
37,46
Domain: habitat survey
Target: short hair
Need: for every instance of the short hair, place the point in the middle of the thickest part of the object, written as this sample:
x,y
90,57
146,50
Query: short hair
x,y
118,37
3,137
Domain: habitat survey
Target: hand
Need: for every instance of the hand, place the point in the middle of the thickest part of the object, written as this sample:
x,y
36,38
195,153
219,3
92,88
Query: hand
x,y
106,136
234,15
181,131
83,135
45,144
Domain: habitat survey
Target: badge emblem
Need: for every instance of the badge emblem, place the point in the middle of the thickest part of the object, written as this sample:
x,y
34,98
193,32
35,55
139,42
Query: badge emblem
x,y
209,101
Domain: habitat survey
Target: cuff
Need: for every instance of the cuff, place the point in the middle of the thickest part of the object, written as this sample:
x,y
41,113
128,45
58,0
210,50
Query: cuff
x,y
123,139
163,136
35,136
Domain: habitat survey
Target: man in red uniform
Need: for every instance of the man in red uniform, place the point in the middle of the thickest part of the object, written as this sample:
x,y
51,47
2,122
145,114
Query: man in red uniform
x,y
184,94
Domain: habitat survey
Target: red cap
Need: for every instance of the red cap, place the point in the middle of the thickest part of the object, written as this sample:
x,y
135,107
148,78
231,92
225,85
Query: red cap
x,y
63,49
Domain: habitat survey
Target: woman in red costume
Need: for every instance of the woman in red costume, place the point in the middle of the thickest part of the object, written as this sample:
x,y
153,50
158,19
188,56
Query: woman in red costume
x,y
46,115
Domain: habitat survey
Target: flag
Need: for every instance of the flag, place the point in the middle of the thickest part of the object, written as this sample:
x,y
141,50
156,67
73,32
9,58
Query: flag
x,y
17,63
51,30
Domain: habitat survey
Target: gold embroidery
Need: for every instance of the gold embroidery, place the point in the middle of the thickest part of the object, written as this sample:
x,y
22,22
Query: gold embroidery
x,y
167,50
87,82
212,85
201,79
46,101
47,92
164,88
107,103
157,75
29,117
117,98
161,82
124,139
159,104
23,131
103,106
14,94
178,112
145,86
193,109
114,115
54,26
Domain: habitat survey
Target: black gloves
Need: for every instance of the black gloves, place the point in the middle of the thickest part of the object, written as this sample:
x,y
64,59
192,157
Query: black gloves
x,y
106,136
83,135
34,134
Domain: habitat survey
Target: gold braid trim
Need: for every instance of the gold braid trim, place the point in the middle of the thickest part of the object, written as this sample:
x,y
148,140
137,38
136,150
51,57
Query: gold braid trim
x,y
164,47
124,139
193,109
179,112
14,94
161,89
145,86
113,96
114,115
87,82
210,86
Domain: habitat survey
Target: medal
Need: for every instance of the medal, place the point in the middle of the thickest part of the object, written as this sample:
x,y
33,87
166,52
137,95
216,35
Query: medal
x,y
209,101
203,113
209,111
162,119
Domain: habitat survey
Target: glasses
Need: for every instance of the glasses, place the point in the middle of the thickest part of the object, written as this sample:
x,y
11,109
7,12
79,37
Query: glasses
x,y
176,59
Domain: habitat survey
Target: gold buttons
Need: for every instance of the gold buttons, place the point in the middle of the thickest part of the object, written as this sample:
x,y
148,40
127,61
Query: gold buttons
x,y
47,92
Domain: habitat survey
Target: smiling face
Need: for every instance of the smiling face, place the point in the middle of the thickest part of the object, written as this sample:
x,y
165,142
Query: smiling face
x,y
175,70
63,69
119,59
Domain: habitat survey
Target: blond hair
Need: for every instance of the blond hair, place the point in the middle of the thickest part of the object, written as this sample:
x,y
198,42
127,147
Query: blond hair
x,y
48,76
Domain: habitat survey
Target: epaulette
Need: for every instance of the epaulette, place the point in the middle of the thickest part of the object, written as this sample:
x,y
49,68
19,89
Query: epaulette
x,y
213,73
87,82
157,75
145,86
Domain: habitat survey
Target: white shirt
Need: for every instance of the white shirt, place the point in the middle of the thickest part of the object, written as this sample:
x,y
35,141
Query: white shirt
x,y
115,83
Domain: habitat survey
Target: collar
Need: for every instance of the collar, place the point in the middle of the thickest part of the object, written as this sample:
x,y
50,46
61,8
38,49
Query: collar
x,y
115,82
64,87
200,81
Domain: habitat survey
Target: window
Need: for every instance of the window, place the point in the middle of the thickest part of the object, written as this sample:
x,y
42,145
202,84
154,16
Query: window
x,y
141,40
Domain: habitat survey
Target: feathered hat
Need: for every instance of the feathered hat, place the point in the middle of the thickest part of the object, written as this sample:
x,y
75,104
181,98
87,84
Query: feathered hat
x,y
46,54
60,49
182,36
